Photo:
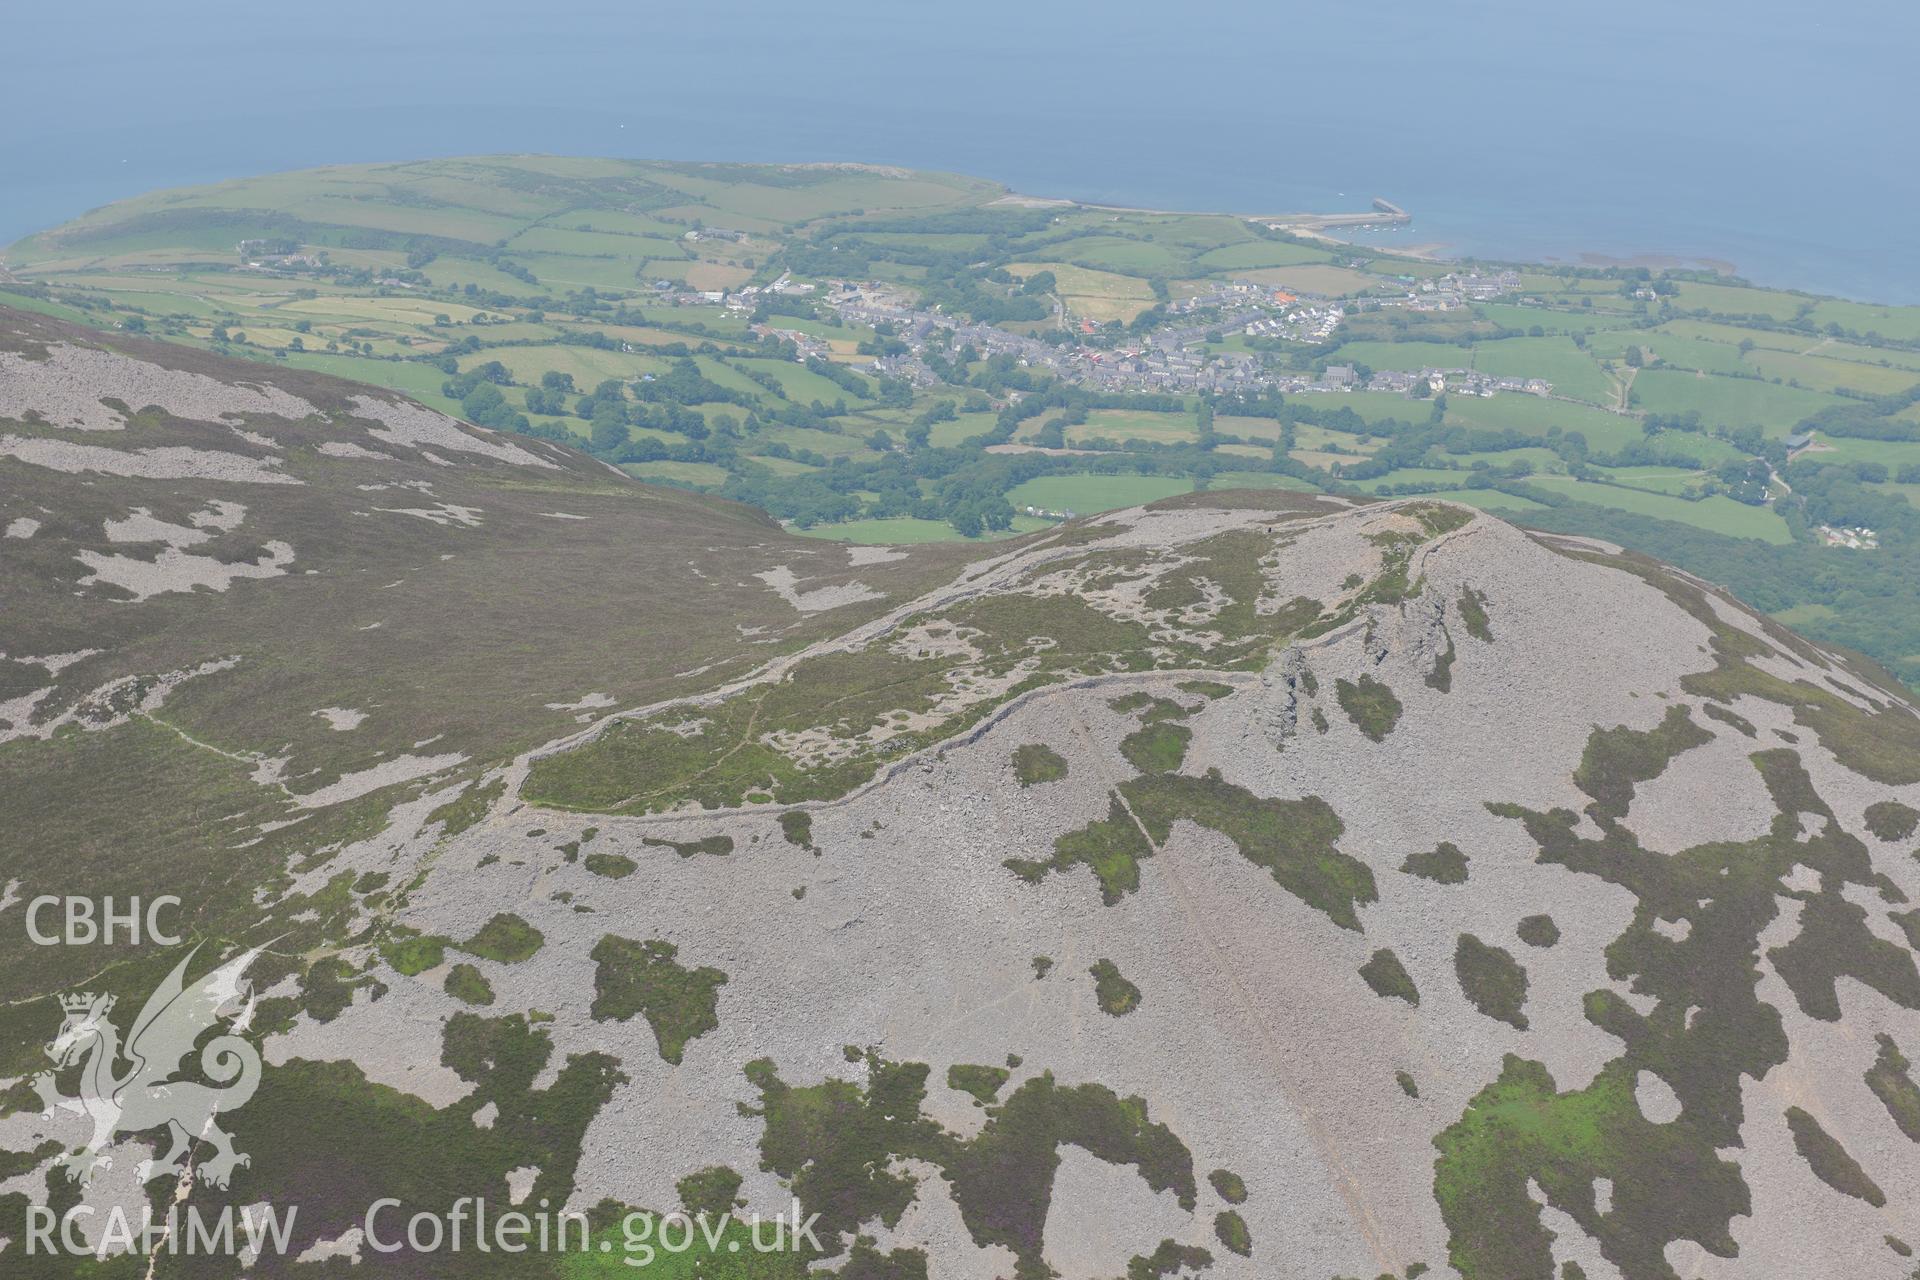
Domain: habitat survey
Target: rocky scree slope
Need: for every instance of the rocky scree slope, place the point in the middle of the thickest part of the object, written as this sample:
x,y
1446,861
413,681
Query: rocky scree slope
x,y
1247,884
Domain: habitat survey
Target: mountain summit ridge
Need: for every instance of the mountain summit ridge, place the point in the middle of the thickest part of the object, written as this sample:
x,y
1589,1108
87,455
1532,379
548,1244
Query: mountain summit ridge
x,y
1461,897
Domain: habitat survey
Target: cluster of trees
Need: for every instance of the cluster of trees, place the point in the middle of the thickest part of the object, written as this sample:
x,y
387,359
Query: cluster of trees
x,y
991,296
1745,481
683,383
1840,494
1870,419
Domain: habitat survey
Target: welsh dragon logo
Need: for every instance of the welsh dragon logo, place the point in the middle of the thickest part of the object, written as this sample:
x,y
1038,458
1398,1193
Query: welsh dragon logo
x,y
147,1094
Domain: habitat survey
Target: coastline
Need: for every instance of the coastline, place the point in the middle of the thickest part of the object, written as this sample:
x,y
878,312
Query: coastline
x,y
1322,227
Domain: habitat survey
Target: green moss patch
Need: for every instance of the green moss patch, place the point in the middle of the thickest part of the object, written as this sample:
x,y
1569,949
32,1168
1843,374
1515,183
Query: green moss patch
x,y
1494,982
839,1145
1472,607
1618,760
1231,1230
1830,1161
467,808
1891,820
1441,676
1157,748
1388,977
1444,864
324,1137
1036,762
712,1191
412,953
468,985
1147,708
1169,1258
612,866
643,977
1111,847
1706,1032
796,825
1740,724
1116,996
711,846
1293,839
1370,705
506,938
983,1083
1212,690
1228,1185
1891,1082
1520,1129
1538,931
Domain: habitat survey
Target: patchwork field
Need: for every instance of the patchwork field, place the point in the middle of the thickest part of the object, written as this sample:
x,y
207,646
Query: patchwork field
x,y
630,308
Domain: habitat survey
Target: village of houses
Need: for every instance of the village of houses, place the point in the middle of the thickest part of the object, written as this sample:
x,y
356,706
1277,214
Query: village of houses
x,y
1169,359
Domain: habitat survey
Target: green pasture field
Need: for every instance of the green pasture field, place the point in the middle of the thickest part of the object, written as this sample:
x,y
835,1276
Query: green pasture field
x,y
1900,324
1258,253
45,307
617,222
1200,232
596,244
1572,371
1824,374
1369,406
832,191
1120,254
799,382
1670,350
1728,402
963,426
1717,514
1308,436
1518,411
1510,315
1880,357
721,324
1735,300
1655,479
1892,454
1733,335
616,275
396,310
587,365
1134,424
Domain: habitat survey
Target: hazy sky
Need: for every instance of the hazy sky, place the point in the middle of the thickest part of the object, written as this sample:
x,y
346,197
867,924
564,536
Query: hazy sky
x,y
1776,134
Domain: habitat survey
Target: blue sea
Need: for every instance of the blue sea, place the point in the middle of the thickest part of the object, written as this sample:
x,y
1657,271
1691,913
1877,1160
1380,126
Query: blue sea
x,y
1774,136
